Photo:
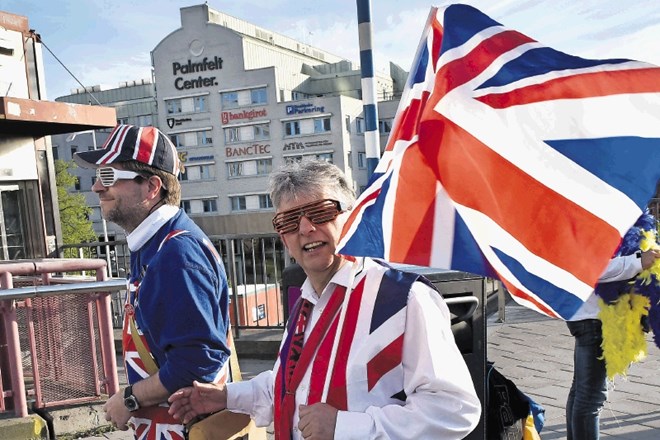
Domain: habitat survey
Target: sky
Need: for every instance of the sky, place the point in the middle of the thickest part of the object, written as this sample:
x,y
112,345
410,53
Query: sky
x,y
110,41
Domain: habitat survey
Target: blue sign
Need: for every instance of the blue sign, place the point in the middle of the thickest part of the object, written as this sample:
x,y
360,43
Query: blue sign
x,y
191,159
308,107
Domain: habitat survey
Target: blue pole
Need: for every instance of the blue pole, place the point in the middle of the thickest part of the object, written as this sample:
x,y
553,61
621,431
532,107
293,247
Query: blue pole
x,y
371,135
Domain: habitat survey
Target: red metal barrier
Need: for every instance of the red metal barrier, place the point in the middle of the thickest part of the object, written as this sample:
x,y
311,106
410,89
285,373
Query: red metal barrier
x,y
53,332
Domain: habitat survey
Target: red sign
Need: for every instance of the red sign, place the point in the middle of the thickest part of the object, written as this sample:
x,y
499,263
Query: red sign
x,y
248,115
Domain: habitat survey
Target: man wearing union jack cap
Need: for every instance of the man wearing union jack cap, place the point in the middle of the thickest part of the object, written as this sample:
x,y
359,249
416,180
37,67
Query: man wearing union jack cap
x,y
176,320
368,352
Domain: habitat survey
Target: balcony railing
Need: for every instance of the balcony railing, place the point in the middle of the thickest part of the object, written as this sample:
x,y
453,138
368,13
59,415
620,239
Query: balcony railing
x,y
56,338
254,267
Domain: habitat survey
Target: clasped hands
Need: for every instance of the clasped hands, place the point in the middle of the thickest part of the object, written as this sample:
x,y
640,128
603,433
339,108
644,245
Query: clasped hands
x,y
317,421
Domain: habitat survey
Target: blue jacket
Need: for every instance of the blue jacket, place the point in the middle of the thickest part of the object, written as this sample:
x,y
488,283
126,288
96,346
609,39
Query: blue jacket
x,y
182,304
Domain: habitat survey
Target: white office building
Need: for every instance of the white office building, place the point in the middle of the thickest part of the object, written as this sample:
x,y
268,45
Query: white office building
x,y
239,101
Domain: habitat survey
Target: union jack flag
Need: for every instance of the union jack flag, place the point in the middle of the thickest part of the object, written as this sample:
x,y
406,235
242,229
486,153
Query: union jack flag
x,y
512,160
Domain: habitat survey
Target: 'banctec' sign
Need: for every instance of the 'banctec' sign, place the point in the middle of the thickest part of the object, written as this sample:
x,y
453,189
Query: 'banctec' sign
x,y
190,67
308,107
250,150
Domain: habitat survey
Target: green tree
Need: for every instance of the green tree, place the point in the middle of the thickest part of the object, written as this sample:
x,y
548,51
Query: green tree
x,y
74,212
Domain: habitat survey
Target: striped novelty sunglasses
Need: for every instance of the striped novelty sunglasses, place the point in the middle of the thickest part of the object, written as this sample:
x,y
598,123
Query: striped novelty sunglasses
x,y
109,176
319,212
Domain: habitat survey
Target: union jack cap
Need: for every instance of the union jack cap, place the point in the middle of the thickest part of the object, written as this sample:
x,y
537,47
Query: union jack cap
x,y
148,145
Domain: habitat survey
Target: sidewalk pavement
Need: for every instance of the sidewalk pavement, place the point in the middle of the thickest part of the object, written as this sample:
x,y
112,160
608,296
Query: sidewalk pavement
x,y
536,353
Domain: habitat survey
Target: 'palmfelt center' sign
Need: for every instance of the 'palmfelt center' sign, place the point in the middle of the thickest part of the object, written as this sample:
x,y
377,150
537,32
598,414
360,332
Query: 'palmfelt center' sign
x,y
202,66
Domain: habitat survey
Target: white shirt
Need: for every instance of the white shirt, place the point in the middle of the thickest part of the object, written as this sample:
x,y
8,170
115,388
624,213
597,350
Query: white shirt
x,y
618,269
150,226
444,404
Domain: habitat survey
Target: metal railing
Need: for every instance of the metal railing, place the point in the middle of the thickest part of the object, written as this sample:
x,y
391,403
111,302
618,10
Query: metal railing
x,y
254,267
56,337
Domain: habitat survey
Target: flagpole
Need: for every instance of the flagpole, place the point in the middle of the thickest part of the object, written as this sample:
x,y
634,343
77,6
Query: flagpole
x,y
370,108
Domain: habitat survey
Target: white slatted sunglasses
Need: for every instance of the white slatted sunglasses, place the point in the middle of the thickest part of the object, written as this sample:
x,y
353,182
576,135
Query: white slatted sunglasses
x,y
109,176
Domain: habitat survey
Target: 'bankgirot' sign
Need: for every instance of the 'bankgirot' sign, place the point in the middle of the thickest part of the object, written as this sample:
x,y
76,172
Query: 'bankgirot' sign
x,y
243,115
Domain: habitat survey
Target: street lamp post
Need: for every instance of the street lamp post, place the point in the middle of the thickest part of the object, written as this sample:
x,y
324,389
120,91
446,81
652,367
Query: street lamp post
x,y
70,138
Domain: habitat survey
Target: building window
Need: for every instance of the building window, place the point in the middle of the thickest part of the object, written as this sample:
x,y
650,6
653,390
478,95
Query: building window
x,y
74,150
261,132
292,128
76,184
325,156
362,160
252,202
204,172
96,216
321,125
56,152
198,172
258,167
121,121
93,180
145,120
185,205
192,139
209,205
297,96
259,96
328,157
359,125
385,125
199,104
238,203
265,202
232,135
264,166
173,106
204,138
247,133
229,100
235,169
244,98
348,123
196,104
183,177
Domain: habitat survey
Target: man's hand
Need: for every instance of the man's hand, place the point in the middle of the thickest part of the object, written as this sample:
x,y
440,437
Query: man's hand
x,y
116,412
201,398
317,422
649,257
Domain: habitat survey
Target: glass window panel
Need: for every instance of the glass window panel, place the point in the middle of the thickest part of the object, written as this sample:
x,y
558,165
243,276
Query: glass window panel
x,y
259,96
229,100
